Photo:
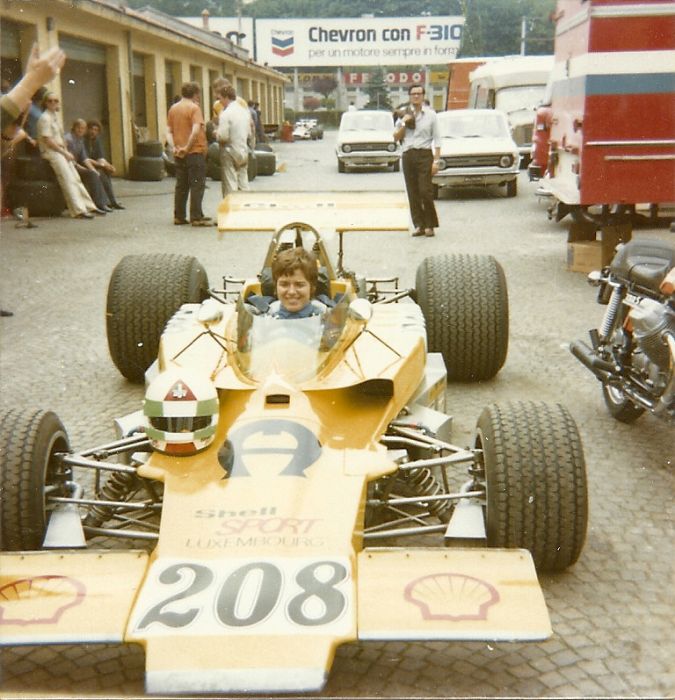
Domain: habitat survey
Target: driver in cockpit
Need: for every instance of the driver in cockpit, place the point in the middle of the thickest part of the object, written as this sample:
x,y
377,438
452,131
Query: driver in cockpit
x,y
295,273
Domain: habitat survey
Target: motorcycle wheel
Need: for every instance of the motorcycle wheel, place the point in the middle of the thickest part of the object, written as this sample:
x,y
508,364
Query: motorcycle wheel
x,y
619,405
535,481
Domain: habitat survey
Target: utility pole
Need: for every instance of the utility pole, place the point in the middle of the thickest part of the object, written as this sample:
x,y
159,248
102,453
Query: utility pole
x,y
523,34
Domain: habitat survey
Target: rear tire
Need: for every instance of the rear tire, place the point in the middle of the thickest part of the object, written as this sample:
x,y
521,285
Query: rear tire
x,y
464,300
620,407
144,293
535,478
29,441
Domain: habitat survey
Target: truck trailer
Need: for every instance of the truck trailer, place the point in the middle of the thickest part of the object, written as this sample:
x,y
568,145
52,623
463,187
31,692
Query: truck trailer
x,y
612,137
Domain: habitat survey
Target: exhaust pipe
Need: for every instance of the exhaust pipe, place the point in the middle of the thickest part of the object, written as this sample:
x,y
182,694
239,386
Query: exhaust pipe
x,y
600,368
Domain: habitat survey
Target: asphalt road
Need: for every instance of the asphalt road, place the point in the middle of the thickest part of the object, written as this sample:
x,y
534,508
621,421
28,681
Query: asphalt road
x,y
612,613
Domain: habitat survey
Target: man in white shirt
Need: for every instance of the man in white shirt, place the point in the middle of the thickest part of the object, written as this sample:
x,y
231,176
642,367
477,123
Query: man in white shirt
x,y
234,127
417,130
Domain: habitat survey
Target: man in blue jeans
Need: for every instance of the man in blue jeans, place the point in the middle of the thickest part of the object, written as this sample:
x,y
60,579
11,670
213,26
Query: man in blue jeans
x,y
187,138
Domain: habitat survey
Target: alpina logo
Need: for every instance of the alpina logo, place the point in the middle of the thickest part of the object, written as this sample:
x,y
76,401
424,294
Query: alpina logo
x,y
282,43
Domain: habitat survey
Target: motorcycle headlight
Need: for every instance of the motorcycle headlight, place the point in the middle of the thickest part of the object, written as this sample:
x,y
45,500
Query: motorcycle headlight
x,y
391,147
506,161
346,148
442,165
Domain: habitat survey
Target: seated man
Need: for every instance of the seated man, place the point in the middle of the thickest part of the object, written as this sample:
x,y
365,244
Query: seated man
x,y
295,274
85,165
92,142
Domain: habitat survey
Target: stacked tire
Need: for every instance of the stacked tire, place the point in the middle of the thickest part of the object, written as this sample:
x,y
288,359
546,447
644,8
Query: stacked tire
x,y
266,159
213,163
36,188
148,163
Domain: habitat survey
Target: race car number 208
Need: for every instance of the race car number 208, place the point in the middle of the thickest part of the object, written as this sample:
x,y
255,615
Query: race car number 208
x,y
270,596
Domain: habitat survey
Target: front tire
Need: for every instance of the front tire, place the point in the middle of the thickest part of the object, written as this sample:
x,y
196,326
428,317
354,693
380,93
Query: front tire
x,y
619,405
512,188
535,479
341,167
144,292
29,440
465,305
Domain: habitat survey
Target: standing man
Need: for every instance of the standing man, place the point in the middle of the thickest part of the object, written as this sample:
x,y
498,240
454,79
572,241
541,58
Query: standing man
x,y
417,129
234,128
187,138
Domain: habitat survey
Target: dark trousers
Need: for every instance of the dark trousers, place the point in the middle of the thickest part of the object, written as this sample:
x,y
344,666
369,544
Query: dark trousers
x,y
190,179
107,185
417,164
92,181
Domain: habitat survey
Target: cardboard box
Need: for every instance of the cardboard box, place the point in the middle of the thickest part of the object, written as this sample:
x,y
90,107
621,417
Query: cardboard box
x,y
589,255
586,256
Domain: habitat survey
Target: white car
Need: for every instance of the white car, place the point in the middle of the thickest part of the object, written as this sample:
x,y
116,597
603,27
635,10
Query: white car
x,y
301,130
476,149
366,140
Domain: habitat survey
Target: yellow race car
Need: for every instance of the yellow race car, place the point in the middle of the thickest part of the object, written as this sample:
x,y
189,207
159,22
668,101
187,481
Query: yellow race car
x,y
289,486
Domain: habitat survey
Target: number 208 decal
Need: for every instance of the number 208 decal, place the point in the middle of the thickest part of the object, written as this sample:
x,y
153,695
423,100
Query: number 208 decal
x,y
255,597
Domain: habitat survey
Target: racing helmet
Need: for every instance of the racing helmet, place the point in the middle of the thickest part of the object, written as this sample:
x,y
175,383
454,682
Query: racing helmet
x,y
180,412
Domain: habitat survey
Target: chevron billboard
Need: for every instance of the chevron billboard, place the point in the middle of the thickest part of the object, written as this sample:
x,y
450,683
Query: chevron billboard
x,y
366,41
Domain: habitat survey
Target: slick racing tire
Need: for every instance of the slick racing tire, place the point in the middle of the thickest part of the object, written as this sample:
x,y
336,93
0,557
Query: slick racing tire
x,y
149,149
34,168
146,168
619,405
144,292
535,481
465,305
41,197
266,162
29,440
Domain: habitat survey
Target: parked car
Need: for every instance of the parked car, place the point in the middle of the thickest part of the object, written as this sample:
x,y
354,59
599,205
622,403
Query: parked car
x,y
476,149
366,140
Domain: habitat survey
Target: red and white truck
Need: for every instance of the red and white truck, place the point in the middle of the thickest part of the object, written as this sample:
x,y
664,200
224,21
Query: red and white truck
x,y
612,137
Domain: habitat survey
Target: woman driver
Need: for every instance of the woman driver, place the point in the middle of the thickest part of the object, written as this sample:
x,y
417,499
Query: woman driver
x,y
295,272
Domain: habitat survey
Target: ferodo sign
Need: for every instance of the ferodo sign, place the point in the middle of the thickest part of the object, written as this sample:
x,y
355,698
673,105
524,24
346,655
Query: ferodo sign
x,y
386,41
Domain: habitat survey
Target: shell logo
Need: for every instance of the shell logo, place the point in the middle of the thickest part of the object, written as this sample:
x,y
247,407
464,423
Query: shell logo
x,y
451,597
39,600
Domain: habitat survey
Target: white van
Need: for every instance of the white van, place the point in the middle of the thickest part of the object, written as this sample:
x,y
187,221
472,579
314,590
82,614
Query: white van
x,y
515,85
366,140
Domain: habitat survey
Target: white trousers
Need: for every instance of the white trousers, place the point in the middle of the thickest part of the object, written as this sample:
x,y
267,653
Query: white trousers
x,y
231,178
77,198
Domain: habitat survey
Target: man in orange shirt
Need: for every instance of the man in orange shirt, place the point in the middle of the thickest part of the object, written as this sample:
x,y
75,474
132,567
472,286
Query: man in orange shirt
x,y
187,138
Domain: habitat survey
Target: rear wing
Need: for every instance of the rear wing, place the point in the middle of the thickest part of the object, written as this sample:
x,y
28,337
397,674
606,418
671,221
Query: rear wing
x,y
335,211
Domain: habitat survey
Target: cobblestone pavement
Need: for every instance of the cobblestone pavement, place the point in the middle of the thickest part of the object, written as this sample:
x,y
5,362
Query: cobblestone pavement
x,y
612,613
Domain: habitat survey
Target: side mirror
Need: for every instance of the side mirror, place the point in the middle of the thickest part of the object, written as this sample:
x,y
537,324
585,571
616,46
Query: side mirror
x,y
361,310
210,313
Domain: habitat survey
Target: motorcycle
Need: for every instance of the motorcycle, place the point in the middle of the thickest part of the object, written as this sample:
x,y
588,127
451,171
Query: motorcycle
x,y
632,352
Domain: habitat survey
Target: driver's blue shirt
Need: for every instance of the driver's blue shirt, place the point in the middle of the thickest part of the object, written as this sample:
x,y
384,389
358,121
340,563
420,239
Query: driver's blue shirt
x,y
312,308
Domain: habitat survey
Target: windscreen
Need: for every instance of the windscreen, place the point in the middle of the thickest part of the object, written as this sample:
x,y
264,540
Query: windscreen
x,y
367,121
525,97
295,349
477,125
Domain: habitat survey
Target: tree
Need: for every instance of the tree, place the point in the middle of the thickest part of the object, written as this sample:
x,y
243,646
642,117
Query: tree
x,y
324,86
310,103
378,92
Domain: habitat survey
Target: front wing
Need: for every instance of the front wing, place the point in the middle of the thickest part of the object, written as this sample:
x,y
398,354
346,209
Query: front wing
x,y
406,594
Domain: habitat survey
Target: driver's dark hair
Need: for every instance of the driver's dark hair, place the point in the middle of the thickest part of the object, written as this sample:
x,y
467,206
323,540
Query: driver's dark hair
x,y
292,259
